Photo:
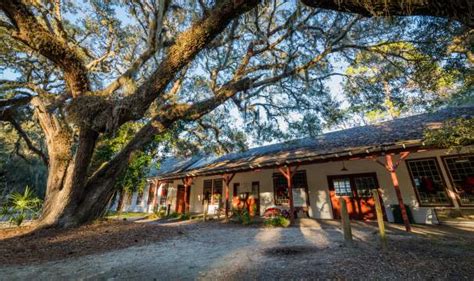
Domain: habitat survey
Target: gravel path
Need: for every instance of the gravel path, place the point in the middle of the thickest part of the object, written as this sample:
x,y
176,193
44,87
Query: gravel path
x,y
214,251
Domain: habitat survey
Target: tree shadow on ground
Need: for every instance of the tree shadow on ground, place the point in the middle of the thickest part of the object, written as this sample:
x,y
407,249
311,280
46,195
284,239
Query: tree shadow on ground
x,y
54,244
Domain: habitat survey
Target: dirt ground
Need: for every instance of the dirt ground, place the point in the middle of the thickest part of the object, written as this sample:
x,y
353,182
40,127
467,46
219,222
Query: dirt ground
x,y
20,246
216,251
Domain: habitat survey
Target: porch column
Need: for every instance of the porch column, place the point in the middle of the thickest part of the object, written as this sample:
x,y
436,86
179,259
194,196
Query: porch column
x,y
187,182
288,173
391,167
227,179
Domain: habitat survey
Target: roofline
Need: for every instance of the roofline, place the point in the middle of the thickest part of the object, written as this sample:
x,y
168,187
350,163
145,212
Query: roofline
x,y
320,158
306,155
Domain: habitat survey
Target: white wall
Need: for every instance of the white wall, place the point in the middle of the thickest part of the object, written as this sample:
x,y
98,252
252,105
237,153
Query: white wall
x,y
131,202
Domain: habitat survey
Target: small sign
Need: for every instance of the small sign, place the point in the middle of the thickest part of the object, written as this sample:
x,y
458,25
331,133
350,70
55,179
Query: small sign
x,y
299,197
212,209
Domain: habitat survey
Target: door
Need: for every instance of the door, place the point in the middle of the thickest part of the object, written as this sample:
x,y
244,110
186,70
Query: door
x,y
180,204
356,191
363,186
256,195
341,187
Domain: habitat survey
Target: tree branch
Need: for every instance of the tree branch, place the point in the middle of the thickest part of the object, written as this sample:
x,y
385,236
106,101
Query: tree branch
x,y
186,47
154,32
460,10
16,101
28,142
328,49
161,122
33,34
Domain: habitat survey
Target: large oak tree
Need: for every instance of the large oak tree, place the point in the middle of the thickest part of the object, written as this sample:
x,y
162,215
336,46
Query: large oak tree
x,y
180,61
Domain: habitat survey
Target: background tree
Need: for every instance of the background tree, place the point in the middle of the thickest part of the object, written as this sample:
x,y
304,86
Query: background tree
x,y
19,166
180,68
395,78
453,135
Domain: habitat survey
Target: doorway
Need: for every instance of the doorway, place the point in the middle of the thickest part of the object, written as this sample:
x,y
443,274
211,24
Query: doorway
x,y
256,196
247,196
180,203
300,192
356,191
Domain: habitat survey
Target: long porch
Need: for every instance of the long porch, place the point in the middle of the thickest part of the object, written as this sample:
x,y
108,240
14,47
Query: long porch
x,y
421,181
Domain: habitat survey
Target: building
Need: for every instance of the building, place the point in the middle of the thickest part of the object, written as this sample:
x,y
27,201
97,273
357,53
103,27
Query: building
x,y
309,175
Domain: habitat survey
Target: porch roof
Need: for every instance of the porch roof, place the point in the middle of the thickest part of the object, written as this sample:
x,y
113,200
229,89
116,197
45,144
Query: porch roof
x,y
398,134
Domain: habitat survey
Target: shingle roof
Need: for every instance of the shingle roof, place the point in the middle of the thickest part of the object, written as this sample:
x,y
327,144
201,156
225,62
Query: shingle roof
x,y
398,133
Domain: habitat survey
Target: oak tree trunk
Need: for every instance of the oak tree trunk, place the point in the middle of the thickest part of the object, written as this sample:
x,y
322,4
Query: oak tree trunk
x,y
68,186
62,206
121,202
72,197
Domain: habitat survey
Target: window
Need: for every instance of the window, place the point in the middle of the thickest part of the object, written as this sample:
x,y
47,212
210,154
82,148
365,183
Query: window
x,y
158,191
256,189
427,181
163,193
364,185
280,186
236,189
212,190
207,190
218,185
151,192
356,191
461,172
253,189
342,187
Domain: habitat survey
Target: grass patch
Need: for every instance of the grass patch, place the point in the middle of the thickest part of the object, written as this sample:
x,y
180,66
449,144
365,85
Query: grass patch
x,y
178,216
125,215
277,221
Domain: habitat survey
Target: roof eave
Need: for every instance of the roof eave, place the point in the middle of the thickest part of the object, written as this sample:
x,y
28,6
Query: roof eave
x,y
306,160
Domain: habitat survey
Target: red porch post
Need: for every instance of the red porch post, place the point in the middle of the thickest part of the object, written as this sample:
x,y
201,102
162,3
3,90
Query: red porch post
x,y
288,173
227,179
392,168
187,182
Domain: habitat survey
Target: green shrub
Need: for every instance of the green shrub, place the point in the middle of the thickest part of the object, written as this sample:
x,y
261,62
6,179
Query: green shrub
x,y
242,216
174,215
21,206
184,217
179,216
277,221
160,213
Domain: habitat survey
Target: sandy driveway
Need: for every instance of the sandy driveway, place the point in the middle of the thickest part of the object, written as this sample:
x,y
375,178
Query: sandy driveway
x,y
215,251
